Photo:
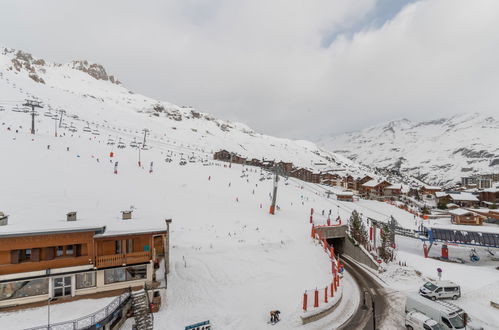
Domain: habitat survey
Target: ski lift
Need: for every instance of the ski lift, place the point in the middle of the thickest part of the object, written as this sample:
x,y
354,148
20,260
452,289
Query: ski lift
x,y
87,129
192,160
2,108
121,145
95,132
47,114
182,162
168,160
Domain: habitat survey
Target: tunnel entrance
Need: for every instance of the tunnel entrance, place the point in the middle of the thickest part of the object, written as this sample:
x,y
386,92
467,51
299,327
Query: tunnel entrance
x,y
338,244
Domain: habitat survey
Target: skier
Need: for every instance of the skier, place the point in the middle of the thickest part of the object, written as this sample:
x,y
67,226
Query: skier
x,y
274,316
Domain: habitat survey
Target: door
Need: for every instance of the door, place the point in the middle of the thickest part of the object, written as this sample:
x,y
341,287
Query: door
x,y
62,287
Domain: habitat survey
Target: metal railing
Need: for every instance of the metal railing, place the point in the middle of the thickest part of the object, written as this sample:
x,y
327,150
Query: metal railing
x,y
88,320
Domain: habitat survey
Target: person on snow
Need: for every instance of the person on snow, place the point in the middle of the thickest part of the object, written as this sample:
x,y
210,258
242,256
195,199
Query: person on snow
x,y
274,316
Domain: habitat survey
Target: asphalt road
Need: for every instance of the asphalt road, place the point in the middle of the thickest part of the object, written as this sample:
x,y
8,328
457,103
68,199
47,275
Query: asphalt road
x,y
362,318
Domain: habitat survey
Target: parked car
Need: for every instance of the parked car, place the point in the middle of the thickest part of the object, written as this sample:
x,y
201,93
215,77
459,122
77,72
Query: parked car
x,y
440,290
418,321
448,315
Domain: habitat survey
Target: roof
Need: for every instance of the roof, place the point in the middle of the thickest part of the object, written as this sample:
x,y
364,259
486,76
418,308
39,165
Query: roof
x,y
394,186
371,183
460,212
463,197
431,188
439,194
344,193
110,227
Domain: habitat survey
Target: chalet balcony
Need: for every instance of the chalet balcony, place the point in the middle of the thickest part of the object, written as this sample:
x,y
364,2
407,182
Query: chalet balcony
x,y
122,259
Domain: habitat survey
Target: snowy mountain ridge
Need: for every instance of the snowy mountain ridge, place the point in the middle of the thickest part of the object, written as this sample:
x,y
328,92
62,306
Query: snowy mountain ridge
x,y
87,91
439,151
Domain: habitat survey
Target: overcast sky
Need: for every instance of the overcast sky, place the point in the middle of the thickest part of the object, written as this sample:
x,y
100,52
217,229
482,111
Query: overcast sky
x,y
290,68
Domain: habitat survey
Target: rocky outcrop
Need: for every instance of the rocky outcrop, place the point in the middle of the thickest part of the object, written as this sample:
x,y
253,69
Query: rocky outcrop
x,y
94,70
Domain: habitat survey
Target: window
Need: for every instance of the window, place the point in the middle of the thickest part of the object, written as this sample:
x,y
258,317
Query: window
x,y
129,245
426,327
69,250
446,322
117,247
60,251
62,286
439,290
21,289
25,255
131,273
85,280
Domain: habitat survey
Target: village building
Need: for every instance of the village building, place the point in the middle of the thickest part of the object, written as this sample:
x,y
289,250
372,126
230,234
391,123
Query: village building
x,y
463,199
302,174
348,182
286,167
360,181
489,197
330,179
429,190
226,156
465,217
70,259
345,196
394,190
375,189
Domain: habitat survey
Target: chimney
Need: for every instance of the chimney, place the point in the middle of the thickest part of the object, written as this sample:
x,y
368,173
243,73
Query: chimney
x,y
126,215
4,219
71,216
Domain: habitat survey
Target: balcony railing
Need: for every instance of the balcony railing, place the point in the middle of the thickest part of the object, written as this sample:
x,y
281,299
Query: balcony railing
x,y
90,320
122,259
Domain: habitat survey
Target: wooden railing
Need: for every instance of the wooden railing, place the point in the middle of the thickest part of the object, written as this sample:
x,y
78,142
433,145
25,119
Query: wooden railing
x,y
122,259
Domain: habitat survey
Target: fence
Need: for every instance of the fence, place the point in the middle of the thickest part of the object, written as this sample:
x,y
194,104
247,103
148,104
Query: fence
x,y
89,320
317,297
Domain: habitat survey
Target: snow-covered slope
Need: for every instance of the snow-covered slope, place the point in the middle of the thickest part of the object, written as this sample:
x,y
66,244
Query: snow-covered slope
x,y
87,91
437,152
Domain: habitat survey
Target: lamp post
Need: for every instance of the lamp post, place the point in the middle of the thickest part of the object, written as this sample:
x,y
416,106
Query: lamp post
x,y
48,314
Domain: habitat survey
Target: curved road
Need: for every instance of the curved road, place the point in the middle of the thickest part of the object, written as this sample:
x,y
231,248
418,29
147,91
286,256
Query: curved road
x,y
362,317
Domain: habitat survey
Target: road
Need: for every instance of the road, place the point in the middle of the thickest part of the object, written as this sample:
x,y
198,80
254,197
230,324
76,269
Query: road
x,y
362,318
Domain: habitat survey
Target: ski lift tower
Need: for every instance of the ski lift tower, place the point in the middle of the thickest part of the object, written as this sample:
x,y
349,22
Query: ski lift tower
x,y
146,131
277,171
62,112
32,104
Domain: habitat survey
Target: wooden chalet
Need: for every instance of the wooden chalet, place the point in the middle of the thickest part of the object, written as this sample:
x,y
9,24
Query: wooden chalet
x,y
75,259
330,179
429,190
465,217
302,174
360,181
393,190
345,196
285,167
348,182
226,156
463,199
489,196
222,155
376,189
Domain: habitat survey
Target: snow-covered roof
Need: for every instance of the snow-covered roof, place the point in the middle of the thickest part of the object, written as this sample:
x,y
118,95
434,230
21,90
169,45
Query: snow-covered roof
x,y
345,193
371,183
431,188
460,212
394,186
439,194
464,197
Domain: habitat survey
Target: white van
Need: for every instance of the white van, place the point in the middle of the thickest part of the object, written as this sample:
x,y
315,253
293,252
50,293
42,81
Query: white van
x,y
418,321
448,315
440,290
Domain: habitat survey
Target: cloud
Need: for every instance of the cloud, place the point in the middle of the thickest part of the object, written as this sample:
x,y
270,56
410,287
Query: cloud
x,y
271,64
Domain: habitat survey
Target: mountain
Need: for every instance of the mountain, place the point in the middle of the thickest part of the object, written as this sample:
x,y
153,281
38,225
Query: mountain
x,y
437,152
93,98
